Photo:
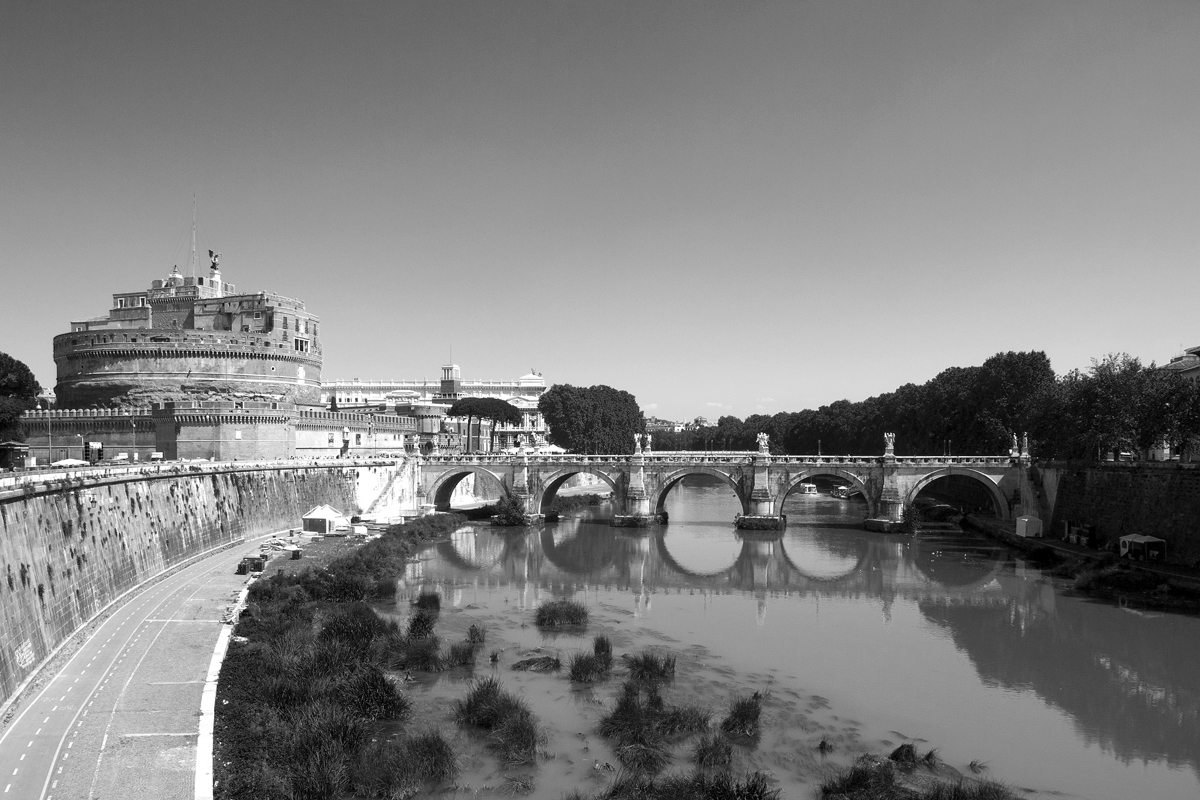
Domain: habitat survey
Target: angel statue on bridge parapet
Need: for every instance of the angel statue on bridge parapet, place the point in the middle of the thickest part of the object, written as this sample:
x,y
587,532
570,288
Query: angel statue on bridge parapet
x,y
647,448
764,442
889,443
637,443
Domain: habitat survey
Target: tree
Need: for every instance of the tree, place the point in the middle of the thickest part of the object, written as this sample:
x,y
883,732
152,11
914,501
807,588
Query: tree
x,y
18,393
493,408
595,419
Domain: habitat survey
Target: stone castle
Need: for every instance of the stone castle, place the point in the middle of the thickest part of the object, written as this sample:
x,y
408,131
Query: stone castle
x,y
192,369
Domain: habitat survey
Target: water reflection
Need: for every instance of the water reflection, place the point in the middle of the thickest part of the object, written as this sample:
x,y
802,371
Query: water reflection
x,y
1125,681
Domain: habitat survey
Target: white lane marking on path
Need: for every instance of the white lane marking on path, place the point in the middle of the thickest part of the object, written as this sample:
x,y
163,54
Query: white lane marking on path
x,y
121,694
141,735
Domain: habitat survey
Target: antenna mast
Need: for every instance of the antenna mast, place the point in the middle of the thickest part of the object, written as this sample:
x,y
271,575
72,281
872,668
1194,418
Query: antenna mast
x,y
192,266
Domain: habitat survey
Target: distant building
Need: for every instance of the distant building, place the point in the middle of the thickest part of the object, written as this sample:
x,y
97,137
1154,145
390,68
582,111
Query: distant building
x,y
191,339
427,401
1186,364
656,425
189,369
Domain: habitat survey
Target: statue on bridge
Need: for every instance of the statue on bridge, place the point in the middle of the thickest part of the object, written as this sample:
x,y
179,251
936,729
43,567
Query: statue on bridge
x,y
637,443
764,443
1014,451
648,442
889,444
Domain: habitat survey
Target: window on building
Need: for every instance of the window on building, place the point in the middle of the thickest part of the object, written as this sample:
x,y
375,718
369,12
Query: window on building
x,y
120,302
330,438
237,434
258,315
357,439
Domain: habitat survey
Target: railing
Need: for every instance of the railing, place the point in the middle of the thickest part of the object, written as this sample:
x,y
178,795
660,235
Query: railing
x,y
732,457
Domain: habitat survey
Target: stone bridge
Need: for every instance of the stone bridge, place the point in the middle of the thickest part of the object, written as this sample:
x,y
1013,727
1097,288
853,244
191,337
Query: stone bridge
x,y
641,482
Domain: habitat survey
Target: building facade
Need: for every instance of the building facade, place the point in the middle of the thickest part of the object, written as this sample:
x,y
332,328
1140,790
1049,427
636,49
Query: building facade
x,y
427,401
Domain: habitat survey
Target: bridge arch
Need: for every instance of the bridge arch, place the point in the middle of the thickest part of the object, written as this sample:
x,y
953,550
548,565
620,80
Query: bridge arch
x,y
667,483
836,472
999,501
554,481
445,484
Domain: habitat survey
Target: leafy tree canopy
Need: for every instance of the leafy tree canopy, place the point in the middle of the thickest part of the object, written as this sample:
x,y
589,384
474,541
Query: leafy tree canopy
x,y
18,393
492,408
593,419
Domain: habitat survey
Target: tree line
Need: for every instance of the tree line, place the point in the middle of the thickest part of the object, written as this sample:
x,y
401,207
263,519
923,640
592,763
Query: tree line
x,y
1118,405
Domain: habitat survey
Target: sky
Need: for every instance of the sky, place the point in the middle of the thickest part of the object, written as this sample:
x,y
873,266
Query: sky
x,y
722,208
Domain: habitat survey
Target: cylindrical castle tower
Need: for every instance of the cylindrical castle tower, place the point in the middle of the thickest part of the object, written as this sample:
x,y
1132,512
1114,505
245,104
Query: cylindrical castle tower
x,y
191,339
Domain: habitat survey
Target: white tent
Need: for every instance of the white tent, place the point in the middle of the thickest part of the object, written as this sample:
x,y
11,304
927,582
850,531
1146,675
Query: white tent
x,y
70,462
323,519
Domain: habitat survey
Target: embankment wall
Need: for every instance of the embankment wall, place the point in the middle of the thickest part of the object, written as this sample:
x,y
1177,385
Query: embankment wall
x,y
70,547
1154,499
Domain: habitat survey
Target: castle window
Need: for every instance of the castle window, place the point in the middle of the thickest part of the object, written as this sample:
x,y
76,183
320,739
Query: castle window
x,y
120,302
330,438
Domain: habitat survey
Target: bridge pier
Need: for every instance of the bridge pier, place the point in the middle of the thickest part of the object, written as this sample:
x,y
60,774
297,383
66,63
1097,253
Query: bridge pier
x,y
761,507
637,500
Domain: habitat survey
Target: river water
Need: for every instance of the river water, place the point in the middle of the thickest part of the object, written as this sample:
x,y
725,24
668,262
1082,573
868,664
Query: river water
x,y
867,640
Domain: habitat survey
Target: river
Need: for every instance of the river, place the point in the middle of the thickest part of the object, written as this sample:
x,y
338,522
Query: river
x,y
867,640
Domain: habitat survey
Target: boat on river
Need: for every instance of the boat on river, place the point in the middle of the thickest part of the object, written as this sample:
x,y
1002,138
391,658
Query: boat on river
x,y
808,488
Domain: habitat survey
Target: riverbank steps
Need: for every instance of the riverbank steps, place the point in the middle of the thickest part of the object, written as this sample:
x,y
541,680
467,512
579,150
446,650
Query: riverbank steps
x,y
304,707
71,547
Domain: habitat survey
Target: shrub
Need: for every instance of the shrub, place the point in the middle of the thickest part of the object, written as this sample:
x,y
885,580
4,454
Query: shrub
x,y
509,512
420,624
514,731
400,767
561,612
585,668
368,692
643,729
476,634
697,785
602,649
651,666
428,601
743,718
460,654
713,751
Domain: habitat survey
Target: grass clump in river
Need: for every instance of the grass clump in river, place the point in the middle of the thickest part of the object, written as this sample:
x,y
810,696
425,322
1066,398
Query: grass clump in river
x,y
513,730
650,666
643,728
696,786
428,601
714,752
561,612
876,778
743,717
398,768
588,667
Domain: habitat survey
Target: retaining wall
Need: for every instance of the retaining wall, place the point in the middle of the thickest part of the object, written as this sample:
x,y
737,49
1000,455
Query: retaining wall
x,y
69,547
1154,499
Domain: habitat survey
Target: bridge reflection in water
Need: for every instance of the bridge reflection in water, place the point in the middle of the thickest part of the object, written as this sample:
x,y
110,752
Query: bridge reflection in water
x,y
1126,680
581,554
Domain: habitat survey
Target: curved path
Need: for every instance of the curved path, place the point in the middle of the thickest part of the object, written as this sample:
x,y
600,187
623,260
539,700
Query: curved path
x,y
121,718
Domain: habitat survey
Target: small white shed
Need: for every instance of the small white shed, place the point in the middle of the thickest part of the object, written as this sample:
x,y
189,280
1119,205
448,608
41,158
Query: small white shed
x,y
1143,548
323,519
1029,527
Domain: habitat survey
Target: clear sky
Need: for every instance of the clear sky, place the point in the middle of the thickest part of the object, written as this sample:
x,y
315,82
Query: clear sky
x,y
723,208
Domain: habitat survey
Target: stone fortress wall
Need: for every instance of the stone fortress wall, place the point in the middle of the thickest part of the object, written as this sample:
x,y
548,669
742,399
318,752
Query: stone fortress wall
x,y
71,544
144,366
